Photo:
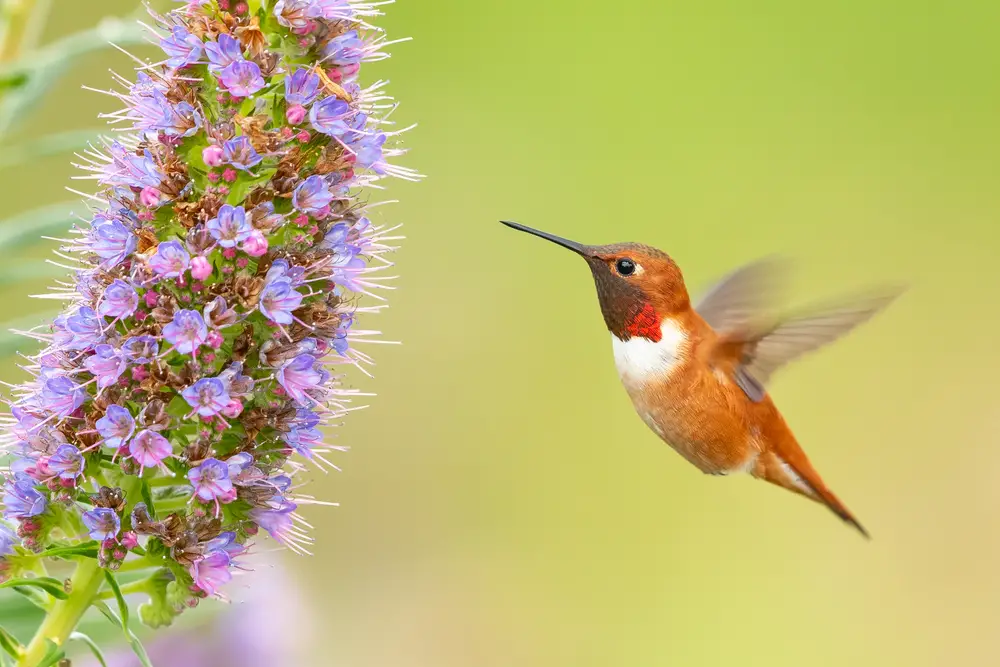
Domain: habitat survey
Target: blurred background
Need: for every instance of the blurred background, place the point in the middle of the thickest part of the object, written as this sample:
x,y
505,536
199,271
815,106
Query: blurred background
x,y
501,503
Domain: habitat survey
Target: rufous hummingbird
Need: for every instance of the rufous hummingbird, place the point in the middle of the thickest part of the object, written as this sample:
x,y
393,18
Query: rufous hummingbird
x,y
697,374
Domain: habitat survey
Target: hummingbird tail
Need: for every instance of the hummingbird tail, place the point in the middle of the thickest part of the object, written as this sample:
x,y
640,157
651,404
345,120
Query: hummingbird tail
x,y
805,481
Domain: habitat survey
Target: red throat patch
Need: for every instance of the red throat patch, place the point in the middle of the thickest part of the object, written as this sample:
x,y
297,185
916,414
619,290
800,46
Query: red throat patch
x,y
645,324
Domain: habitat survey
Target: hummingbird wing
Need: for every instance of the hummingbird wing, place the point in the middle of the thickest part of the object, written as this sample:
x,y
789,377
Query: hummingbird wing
x,y
740,299
758,355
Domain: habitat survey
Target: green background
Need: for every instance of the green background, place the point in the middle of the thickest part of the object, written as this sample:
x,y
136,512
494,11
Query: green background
x,y
501,503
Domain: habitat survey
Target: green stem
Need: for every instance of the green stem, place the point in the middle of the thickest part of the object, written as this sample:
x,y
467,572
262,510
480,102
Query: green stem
x,y
62,620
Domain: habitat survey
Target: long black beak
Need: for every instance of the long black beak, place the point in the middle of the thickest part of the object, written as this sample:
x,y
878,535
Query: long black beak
x,y
578,248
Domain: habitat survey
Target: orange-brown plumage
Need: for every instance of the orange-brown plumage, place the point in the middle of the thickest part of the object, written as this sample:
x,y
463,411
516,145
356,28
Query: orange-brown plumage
x,y
697,373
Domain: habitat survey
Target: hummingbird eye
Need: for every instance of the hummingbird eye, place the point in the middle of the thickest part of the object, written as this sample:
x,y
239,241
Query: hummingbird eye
x,y
625,266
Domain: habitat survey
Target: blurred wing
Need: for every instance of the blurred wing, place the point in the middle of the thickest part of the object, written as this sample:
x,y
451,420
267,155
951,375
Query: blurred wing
x,y
742,297
758,357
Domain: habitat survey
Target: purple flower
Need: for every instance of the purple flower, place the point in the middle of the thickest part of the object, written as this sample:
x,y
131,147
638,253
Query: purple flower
x,y
116,426
211,480
21,499
299,376
85,329
187,332
224,52
67,462
331,10
8,539
106,364
329,116
119,300
294,14
367,150
340,342
111,240
237,384
102,522
302,87
160,363
171,259
277,521
127,169
347,49
240,153
140,349
208,396
302,440
312,195
218,314
62,396
242,78
278,300
230,227
281,270
151,110
182,47
212,572
225,542
149,448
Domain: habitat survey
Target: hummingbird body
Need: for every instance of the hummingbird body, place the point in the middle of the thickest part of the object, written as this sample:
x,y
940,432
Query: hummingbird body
x,y
696,374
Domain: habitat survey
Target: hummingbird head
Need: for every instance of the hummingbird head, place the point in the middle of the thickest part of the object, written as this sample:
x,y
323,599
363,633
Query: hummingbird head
x,y
638,286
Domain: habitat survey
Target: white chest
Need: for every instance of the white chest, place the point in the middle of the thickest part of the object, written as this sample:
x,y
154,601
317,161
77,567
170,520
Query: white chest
x,y
640,360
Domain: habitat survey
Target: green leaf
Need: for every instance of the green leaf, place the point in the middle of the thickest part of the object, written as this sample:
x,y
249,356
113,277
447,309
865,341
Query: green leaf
x,y
87,550
50,585
53,654
94,648
43,67
27,227
244,184
133,641
52,144
12,273
12,81
103,607
18,615
34,596
10,644
160,610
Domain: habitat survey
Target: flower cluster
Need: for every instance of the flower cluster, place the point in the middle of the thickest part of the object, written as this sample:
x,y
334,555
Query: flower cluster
x,y
189,378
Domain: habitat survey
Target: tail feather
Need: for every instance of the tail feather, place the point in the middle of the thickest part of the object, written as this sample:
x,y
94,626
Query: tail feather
x,y
801,478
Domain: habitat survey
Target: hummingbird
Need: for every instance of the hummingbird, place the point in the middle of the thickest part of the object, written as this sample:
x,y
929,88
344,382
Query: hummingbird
x,y
697,374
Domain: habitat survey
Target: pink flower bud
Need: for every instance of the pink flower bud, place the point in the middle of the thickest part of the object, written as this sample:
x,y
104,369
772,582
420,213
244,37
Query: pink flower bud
x,y
151,298
256,245
214,340
295,114
201,268
233,409
213,176
303,136
229,175
149,197
229,253
212,155
130,540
